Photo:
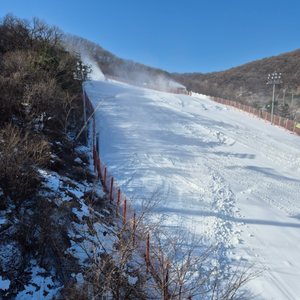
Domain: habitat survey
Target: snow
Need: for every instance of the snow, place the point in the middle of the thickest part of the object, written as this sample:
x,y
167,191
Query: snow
x,y
4,284
78,160
229,176
40,287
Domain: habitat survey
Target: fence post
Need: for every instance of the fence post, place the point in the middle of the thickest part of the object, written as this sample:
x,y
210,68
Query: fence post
x,y
118,202
124,211
279,122
294,127
111,190
167,279
104,180
287,120
133,233
99,169
147,255
94,157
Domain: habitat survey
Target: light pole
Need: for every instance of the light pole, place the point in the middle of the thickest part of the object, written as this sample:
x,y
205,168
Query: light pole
x,y
283,96
274,79
86,122
82,74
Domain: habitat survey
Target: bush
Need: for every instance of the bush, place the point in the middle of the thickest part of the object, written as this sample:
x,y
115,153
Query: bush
x,y
20,155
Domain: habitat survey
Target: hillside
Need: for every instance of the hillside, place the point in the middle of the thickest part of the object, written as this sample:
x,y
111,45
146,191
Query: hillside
x,y
112,65
61,235
247,83
224,174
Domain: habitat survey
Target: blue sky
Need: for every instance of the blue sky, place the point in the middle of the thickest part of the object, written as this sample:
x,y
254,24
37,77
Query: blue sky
x,y
176,36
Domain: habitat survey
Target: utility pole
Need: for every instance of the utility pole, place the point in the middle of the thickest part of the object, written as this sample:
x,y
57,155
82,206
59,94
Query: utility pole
x,y
283,96
82,74
274,79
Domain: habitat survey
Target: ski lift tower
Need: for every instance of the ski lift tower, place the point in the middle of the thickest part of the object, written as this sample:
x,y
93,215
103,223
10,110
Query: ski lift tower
x,y
274,79
82,74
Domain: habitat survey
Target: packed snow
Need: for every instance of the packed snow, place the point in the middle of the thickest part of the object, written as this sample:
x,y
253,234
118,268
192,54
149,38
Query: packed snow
x,y
233,178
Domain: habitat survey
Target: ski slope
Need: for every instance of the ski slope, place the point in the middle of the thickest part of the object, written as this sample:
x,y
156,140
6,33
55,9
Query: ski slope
x,y
232,177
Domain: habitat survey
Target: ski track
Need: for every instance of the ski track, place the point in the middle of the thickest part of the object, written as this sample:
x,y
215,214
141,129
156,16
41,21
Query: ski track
x,y
222,172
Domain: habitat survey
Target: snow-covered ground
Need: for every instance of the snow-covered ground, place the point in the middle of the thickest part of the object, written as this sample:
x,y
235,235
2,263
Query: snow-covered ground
x,y
233,178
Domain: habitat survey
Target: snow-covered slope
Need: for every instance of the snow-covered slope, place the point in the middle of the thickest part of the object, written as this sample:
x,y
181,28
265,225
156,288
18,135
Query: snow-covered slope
x,y
234,178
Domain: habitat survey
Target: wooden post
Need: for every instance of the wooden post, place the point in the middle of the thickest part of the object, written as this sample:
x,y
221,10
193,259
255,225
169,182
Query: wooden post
x,y
118,202
279,122
94,154
167,279
294,127
99,170
111,190
147,255
124,211
104,180
287,120
94,157
133,230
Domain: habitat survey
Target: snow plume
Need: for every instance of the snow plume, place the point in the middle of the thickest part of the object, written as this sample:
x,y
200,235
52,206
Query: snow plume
x,y
167,83
96,74
156,79
87,58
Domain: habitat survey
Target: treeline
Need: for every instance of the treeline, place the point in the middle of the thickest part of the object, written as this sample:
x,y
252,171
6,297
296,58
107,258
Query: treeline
x,y
36,82
112,65
40,113
247,83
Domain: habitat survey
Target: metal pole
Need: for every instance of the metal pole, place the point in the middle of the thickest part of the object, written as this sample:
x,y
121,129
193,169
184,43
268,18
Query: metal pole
x,y
83,98
91,117
273,103
84,108
97,143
